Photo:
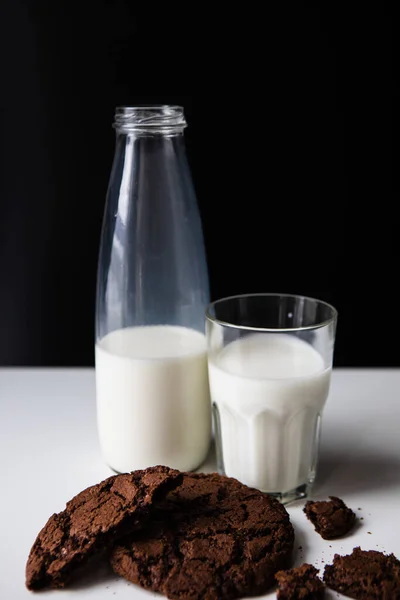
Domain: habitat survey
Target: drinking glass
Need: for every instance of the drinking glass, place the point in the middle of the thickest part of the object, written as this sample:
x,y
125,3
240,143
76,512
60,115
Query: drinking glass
x,y
270,359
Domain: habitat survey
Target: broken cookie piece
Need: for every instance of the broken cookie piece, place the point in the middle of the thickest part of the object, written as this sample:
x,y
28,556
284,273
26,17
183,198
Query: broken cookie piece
x,y
92,520
300,583
365,575
331,519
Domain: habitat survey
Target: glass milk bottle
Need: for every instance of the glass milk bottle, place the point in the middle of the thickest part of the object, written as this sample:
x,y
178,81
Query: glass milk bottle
x,y
152,390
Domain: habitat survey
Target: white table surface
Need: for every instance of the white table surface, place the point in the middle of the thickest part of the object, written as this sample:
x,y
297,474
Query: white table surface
x,y
49,452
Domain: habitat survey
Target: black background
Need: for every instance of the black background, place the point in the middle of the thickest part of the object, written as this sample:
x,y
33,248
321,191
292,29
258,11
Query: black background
x,y
289,140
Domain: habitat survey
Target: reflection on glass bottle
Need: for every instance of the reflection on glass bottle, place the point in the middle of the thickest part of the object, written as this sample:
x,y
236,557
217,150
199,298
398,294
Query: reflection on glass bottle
x,y
153,402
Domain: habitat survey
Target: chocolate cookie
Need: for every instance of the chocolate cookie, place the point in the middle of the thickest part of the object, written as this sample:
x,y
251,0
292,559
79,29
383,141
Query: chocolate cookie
x,y
301,583
214,538
365,575
92,520
331,519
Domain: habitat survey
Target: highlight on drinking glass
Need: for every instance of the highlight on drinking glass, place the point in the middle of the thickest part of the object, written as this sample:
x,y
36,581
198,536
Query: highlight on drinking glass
x,y
270,359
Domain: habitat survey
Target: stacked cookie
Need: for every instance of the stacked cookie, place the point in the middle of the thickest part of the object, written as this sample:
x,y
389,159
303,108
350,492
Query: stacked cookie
x,y
181,534
92,521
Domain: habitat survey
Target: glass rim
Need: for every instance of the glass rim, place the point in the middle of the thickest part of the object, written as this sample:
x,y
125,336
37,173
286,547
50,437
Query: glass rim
x,y
317,325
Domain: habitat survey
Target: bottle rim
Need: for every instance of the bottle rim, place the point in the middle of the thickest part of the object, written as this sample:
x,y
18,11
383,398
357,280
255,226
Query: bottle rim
x,y
163,118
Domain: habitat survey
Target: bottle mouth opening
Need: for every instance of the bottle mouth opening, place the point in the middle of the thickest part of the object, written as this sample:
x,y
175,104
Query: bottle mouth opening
x,y
163,118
